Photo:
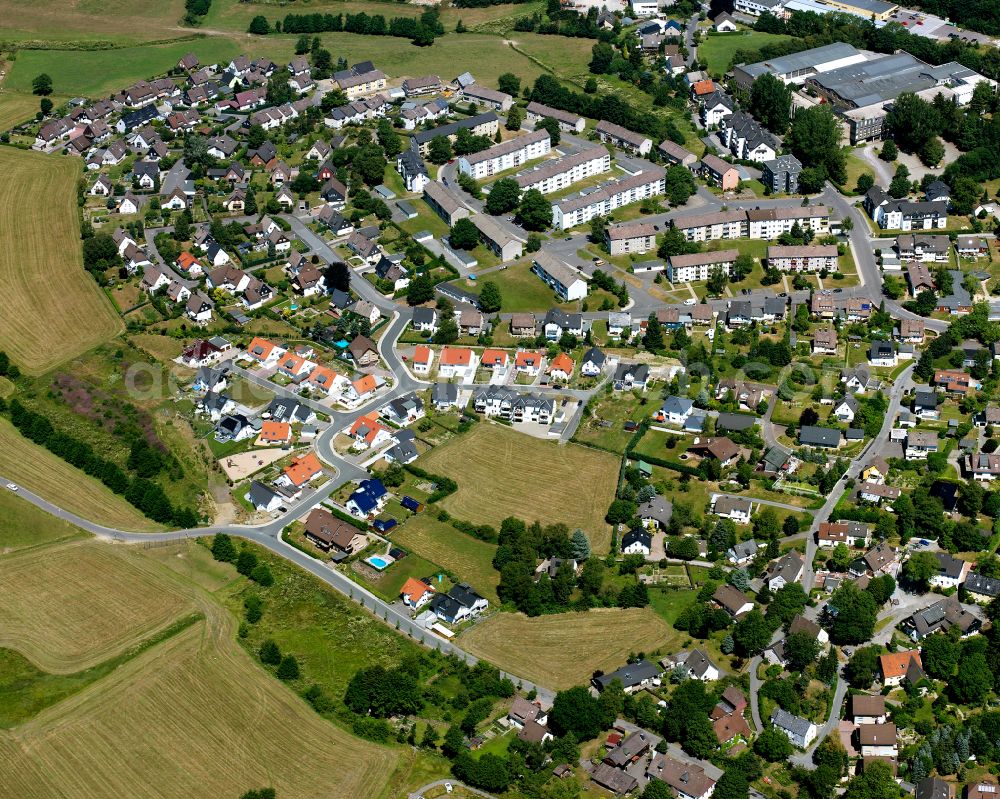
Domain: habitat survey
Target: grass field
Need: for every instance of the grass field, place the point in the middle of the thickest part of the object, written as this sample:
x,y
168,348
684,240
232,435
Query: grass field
x,y
468,558
103,20
520,288
62,613
43,473
51,309
23,525
18,107
503,473
563,650
717,51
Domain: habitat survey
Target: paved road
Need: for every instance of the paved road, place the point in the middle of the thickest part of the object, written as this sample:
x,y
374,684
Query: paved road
x,y
419,793
900,385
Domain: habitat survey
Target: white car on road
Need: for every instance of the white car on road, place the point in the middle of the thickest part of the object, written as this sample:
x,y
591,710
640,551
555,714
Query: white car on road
x,y
12,486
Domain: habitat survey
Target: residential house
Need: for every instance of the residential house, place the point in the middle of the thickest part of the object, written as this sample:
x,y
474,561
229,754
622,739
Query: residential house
x,y
329,533
631,376
941,617
593,362
895,666
732,600
738,509
867,709
846,409
632,676
919,443
719,173
786,569
568,283
622,138
951,572
369,498
416,593
801,732
655,513
459,604
877,740
302,471
368,432
743,553
636,542
423,358
457,362
819,437
825,341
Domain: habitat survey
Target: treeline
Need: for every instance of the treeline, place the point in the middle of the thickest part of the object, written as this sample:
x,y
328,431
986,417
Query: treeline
x,y
420,30
565,23
485,3
548,91
139,491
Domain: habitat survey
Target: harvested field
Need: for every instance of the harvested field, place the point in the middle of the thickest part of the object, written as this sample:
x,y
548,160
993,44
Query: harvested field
x,y
468,558
202,720
51,310
40,471
563,650
81,603
503,473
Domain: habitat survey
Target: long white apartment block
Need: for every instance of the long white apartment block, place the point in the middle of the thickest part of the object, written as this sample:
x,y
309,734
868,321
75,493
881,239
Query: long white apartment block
x,y
506,155
562,173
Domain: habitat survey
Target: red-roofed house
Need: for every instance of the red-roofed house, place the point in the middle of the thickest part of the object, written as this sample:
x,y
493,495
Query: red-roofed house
x,y
494,359
264,352
190,265
457,362
272,433
365,387
423,357
415,593
528,362
368,432
561,367
302,471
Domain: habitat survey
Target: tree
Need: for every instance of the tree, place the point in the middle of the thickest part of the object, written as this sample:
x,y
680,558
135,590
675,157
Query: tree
x,y
814,138
260,793
911,122
246,562
420,290
653,340
259,25
447,332
464,235
875,782
509,83
752,633
932,153
579,545
801,649
679,184
514,118
860,669
899,186
601,56
892,287
338,276
490,299
920,568
732,785
223,548
717,280
270,653
535,212
856,614
503,197
439,150
973,680
288,669
889,151
302,44
552,126
939,655
41,84
773,745
865,181
788,602
657,789
45,105
576,711
742,266
771,103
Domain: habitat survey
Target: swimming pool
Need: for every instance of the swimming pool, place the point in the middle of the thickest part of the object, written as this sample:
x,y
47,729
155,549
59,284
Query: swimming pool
x,y
379,562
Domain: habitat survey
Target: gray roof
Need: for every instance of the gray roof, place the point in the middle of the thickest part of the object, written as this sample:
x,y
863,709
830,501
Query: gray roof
x,y
981,584
260,494
819,436
444,392
787,721
735,421
883,78
678,405
631,674
594,356
452,128
807,59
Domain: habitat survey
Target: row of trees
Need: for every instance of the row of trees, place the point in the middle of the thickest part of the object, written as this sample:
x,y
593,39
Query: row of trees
x,y
420,30
140,492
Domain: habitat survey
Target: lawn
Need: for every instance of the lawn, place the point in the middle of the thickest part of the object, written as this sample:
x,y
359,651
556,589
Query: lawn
x,y
18,107
501,473
468,559
563,650
520,288
104,20
37,469
59,610
605,427
717,51
51,310
22,525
